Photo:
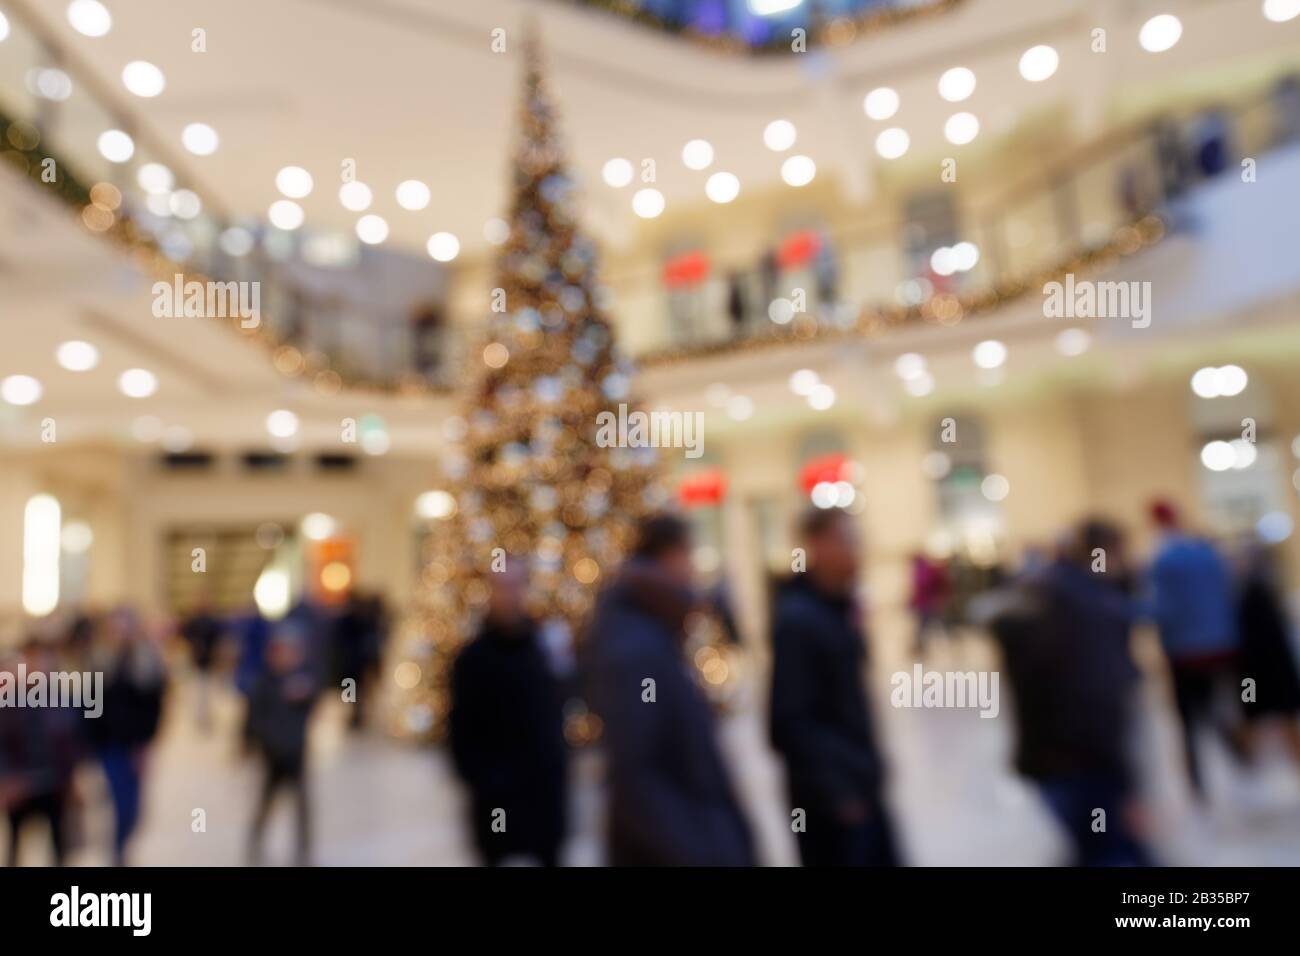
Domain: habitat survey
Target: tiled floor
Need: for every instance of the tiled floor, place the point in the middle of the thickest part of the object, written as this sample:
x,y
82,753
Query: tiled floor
x,y
382,802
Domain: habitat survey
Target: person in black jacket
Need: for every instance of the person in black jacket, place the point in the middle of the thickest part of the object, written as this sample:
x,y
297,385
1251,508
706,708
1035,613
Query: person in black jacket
x,y
821,721
279,708
134,682
1266,654
1065,633
507,731
671,801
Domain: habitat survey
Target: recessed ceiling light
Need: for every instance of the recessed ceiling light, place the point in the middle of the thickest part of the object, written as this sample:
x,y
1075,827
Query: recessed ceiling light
x,y
372,229
413,195
443,246
648,203
617,172
909,365
1160,33
77,356
1280,11
200,139
1038,63
143,78
722,187
697,154
155,178
184,204
881,103
798,171
294,182
821,397
779,135
1073,342
4,27
961,128
116,146
956,84
137,383
804,381
893,142
89,17
989,354
282,423
355,196
20,390
285,214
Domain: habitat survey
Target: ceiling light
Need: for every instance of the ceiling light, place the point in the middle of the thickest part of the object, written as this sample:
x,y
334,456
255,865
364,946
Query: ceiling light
x,y
892,143
956,84
372,230
1218,456
143,78
740,408
184,204
4,27
294,182
965,256
89,17
1073,342
881,103
200,139
77,356
1232,380
961,128
413,195
821,397
318,526
1280,11
1160,33
155,178
919,385
989,354
116,146
355,196
995,487
779,135
137,383
769,8
176,439
282,423
804,381
443,246
648,203
1038,63
941,261
20,390
285,214
697,154
909,365
798,171
617,173
722,187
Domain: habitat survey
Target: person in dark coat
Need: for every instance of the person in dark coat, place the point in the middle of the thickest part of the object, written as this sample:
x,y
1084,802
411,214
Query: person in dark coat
x,y
820,718
134,683
279,709
39,750
202,630
1266,651
1065,638
671,801
507,731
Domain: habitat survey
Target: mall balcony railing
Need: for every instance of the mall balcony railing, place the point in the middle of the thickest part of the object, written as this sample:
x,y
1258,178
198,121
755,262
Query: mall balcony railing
x,y
1083,209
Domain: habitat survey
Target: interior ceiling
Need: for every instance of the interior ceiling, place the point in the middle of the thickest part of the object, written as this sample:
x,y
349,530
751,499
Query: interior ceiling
x,y
411,89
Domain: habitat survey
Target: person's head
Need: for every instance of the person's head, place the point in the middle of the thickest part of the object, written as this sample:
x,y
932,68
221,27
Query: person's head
x,y
1164,515
665,540
1097,537
830,538
507,592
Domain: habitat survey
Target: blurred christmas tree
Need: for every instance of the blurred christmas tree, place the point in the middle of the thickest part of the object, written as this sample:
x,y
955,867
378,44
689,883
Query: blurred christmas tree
x,y
530,482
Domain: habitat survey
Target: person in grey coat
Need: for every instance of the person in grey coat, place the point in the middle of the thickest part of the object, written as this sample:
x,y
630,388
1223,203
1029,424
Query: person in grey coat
x,y
671,801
